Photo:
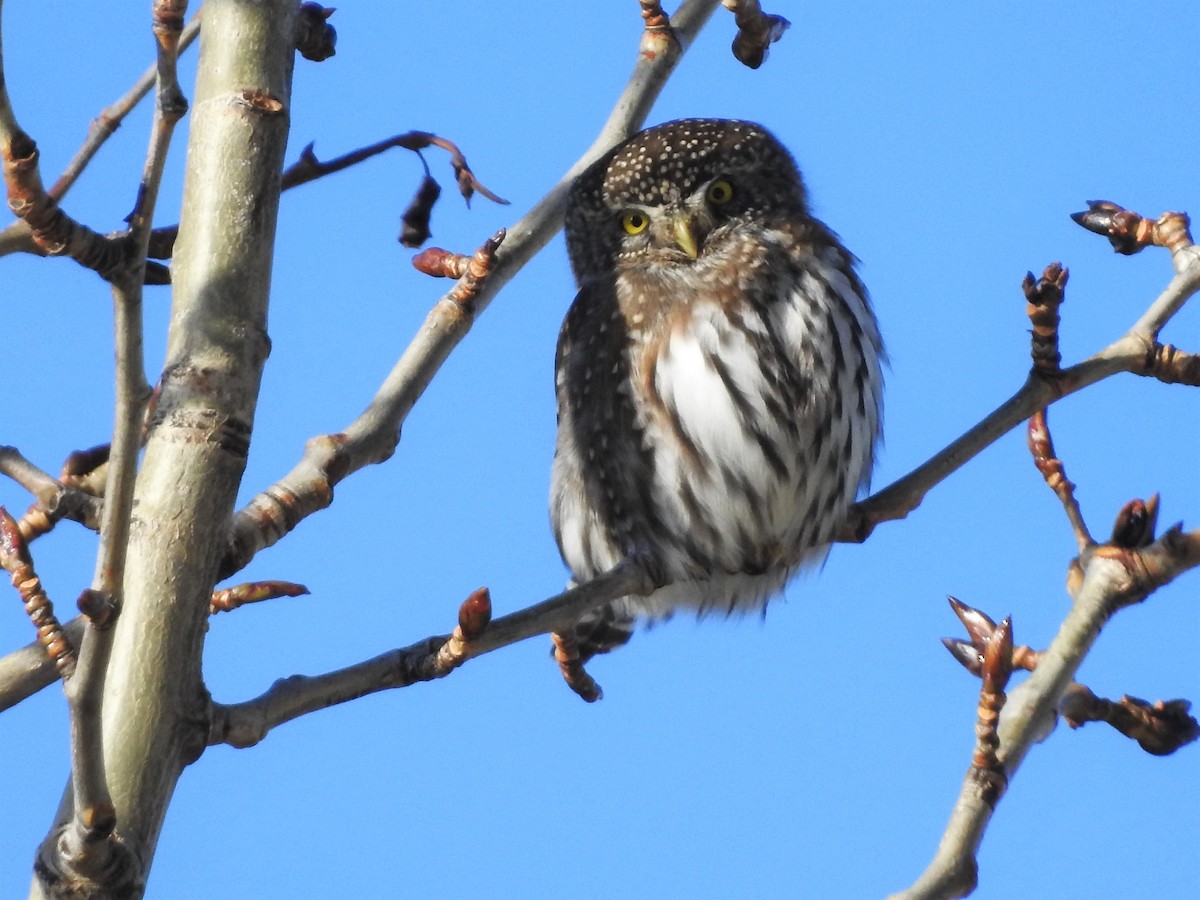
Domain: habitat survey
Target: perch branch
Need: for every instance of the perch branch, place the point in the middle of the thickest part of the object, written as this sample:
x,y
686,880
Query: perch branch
x,y
245,724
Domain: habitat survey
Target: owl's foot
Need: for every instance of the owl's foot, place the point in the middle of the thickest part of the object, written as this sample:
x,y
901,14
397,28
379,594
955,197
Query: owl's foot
x,y
570,663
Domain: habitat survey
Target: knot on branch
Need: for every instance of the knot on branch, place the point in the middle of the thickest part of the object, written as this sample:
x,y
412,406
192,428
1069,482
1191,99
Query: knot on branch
x,y
83,866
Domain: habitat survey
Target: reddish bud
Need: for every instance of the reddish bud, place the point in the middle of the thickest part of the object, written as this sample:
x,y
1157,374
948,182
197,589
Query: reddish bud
x,y
1135,524
979,626
13,551
441,263
966,653
1126,231
475,614
998,657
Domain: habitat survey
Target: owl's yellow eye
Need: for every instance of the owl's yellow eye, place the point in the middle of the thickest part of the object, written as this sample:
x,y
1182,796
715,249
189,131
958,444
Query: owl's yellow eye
x,y
634,222
719,192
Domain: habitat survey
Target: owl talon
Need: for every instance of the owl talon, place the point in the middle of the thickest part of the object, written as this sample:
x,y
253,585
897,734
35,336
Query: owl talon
x,y
566,654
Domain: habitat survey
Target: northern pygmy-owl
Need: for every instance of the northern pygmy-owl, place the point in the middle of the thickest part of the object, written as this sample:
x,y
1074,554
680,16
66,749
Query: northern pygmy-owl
x,y
718,375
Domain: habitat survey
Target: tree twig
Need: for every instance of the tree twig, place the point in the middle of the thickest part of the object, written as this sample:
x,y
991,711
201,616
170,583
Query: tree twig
x,y
308,168
1160,728
1041,446
231,598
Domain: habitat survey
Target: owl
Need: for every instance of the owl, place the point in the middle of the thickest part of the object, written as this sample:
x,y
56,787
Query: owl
x,y
718,378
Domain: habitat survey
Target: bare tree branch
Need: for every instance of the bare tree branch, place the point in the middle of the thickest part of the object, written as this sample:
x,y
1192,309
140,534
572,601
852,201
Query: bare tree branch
x,y
1127,569
308,168
1137,351
245,724
1114,578
309,486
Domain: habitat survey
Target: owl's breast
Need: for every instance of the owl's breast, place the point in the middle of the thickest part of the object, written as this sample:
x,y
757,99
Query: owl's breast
x,y
722,430
757,438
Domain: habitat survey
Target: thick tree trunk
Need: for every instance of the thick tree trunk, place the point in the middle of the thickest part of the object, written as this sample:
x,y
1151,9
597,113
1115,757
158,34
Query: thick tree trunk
x,y
155,703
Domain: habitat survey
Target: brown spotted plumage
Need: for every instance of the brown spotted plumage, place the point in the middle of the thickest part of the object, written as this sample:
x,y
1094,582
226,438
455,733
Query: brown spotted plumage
x,y
718,375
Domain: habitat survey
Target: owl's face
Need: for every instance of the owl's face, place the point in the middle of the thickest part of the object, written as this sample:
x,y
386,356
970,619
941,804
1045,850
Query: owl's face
x,y
676,194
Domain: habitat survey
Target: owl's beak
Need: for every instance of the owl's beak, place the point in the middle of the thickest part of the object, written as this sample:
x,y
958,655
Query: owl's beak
x,y
685,235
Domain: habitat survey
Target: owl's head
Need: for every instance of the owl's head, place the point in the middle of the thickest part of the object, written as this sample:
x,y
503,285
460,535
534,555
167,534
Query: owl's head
x,y
674,193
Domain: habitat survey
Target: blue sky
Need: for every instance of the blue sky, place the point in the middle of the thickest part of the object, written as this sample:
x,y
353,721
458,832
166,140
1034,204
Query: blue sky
x,y
816,754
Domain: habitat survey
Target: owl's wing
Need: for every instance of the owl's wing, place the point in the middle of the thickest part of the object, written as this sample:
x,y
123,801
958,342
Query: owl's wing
x,y
591,345
582,524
